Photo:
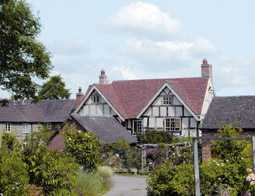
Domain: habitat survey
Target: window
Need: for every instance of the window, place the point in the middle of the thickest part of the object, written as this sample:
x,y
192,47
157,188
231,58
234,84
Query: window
x,y
137,127
168,100
25,128
8,127
172,124
96,98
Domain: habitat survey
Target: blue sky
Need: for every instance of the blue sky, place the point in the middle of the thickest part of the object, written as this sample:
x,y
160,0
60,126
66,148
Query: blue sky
x,y
150,39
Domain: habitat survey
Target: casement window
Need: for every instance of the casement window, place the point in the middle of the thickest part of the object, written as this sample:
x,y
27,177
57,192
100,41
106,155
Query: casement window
x,y
96,99
137,127
8,127
172,124
25,128
167,100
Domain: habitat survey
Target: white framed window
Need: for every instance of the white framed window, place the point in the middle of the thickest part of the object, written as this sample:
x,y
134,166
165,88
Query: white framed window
x,y
137,127
172,124
96,99
8,128
167,100
25,128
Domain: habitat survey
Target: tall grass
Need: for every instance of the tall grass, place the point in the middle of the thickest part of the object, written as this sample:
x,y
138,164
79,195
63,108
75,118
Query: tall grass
x,y
88,184
92,183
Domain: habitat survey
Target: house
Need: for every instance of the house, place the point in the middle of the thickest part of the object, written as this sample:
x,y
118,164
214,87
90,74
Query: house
x,y
21,118
107,128
175,105
238,110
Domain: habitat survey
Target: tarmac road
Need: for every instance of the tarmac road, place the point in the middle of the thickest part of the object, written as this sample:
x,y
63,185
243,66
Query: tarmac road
x,y
128,186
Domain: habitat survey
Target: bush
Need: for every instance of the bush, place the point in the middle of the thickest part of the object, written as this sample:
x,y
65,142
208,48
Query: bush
x,y
9,141
215,175
83,146
171,180
14,176
130,157
224,175
154,137
106,174
88,183
50,170
231,150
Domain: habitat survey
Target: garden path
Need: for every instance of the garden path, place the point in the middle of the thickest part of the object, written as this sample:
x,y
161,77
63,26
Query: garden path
x,y
128,186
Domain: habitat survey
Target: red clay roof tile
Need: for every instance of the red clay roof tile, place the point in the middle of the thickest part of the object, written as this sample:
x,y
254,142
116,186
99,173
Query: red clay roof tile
x,y
129,97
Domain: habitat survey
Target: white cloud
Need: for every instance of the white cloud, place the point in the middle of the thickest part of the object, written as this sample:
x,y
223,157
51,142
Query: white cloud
x,y
125,73
144,20
169,53
69,47
234,72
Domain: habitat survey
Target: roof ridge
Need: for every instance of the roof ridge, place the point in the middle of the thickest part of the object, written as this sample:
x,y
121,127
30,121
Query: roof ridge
x,y
156,79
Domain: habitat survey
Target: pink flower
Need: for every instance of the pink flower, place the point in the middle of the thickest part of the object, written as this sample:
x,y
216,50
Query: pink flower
x,y
248,178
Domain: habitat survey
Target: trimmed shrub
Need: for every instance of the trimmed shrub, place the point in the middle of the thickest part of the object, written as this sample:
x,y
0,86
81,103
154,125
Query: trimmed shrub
x,y
170,179
155,137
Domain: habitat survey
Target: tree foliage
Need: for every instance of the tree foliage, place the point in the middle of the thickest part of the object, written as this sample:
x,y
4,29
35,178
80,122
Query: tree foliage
x,y
231,150
35,169
83,146
155,137
226,174
22,57
54,89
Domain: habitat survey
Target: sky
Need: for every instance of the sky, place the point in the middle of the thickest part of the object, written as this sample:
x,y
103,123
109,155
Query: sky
x,y
150,39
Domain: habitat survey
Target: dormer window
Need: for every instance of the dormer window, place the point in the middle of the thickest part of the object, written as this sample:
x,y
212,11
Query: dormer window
x,y
167,100
96,99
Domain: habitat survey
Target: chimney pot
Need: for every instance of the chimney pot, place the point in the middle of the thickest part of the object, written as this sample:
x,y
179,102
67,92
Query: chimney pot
x,y
102,72
205,62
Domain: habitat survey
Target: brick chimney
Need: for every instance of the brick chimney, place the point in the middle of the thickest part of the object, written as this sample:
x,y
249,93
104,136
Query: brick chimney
x,y
102,77
79,97
206,69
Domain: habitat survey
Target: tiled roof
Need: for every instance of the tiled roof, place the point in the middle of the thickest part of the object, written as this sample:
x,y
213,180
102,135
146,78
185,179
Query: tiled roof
x,y
43,111
107,128
225,110
129,97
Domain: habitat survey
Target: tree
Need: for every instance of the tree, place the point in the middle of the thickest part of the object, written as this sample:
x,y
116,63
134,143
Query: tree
x,y
22,57
83,146
54,89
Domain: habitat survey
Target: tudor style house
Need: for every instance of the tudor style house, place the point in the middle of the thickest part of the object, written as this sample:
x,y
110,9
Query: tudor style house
x,y
174,105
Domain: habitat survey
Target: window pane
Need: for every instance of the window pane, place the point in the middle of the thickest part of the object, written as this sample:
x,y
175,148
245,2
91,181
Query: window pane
x,y
172,124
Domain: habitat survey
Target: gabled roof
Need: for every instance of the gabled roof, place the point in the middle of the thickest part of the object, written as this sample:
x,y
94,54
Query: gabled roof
x,y
44,111
225,110
107,128
129,97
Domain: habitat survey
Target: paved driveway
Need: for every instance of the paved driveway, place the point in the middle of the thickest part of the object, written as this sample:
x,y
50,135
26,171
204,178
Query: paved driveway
x,y
128,186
